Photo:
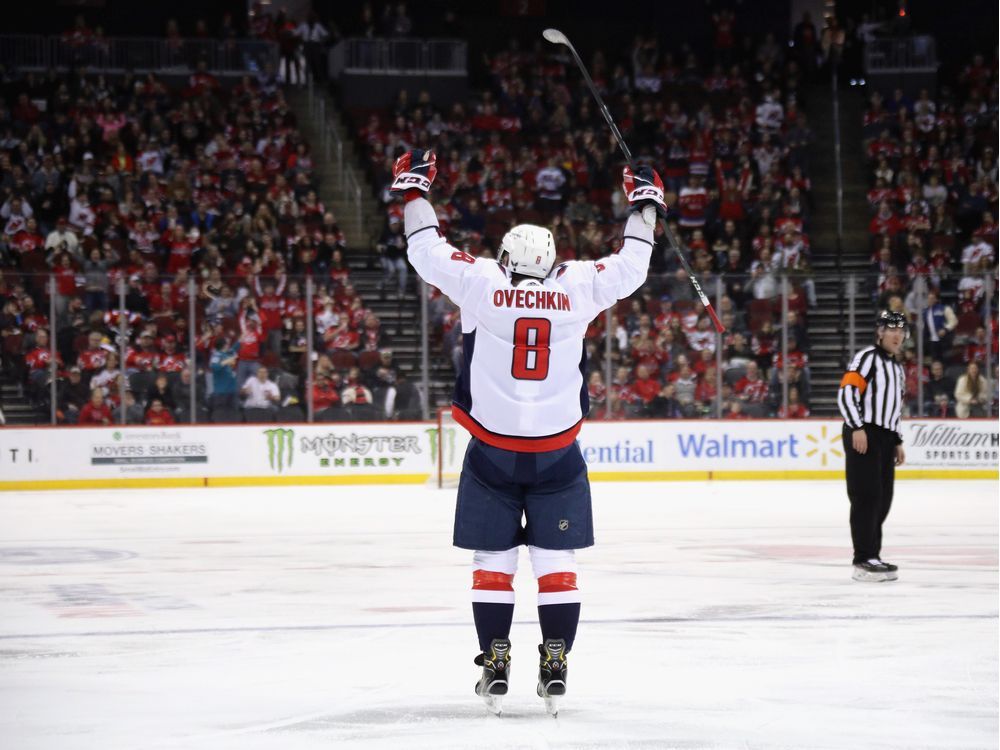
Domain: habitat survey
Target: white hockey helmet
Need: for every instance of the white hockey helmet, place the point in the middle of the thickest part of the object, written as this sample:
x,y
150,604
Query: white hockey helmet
x,y
530,251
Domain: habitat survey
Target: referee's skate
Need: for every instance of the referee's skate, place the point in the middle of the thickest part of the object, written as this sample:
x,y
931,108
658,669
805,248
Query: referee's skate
x,y
874,571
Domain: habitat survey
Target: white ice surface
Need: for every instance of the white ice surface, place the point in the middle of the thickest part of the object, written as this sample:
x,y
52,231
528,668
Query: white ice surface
x,y
715,616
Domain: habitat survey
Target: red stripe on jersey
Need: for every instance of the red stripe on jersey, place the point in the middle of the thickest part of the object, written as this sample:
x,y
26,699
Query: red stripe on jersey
x,y
488,580
557,582
516,444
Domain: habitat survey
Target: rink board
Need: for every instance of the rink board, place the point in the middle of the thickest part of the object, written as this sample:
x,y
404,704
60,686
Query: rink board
x,y
406,453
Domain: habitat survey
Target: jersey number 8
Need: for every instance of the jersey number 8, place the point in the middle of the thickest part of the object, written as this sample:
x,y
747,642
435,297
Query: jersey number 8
x,y
531,349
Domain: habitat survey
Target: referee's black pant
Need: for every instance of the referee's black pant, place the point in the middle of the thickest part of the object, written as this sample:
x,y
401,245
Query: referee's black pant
x,y
870,478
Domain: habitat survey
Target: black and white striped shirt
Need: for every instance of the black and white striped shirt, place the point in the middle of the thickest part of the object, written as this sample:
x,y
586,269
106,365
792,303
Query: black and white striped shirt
x,y
871,391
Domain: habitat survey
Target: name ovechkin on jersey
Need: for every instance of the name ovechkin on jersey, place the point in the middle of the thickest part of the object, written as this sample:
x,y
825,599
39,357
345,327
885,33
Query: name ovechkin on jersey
x,y
531,299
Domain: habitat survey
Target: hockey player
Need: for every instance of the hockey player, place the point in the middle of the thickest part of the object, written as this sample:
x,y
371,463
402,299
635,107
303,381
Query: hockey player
x,y
521,393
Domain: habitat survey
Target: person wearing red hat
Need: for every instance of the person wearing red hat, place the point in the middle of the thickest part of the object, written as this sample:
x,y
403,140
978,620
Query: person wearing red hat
x,y
171,360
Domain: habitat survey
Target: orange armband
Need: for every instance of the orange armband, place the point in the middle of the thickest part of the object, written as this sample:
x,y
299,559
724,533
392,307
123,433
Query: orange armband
x,y
855,379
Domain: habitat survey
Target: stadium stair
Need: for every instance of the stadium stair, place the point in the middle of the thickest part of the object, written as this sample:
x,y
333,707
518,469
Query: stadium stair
x,y
828,322
331,194
17,407
400,317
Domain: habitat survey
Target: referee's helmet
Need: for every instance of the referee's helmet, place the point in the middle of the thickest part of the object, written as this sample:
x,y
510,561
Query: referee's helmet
x,y
889,319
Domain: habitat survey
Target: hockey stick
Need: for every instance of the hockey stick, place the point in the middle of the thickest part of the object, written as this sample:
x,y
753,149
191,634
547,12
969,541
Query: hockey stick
x,y
557,37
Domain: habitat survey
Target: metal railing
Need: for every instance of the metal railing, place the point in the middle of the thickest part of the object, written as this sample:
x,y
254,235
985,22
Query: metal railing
x,y
198,349
771,348
965,337
138,54
333,148
913,54
838,175
400,56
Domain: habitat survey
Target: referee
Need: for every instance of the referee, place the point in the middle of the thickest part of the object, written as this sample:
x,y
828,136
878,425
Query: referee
x,y
871,402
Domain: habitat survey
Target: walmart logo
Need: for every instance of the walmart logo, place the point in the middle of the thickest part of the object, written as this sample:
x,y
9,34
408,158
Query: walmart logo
x,y
280,448
699,445
824,445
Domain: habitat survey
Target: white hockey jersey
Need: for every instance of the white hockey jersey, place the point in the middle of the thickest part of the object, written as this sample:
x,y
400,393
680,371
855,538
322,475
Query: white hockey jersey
x,y
522,385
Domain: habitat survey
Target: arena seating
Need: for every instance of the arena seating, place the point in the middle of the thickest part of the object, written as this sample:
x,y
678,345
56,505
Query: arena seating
x,y
155,184
933,197
729,139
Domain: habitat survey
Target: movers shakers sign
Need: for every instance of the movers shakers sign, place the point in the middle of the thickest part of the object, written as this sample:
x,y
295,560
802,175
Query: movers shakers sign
x,y
138,448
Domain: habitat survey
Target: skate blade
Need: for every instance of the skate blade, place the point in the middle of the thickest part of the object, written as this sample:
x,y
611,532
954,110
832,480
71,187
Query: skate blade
x,y
552,705
868,577
494,704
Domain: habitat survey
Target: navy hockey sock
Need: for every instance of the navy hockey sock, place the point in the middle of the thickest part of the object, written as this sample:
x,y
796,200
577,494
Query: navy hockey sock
x,y
492,605
558,607
492,621
559,621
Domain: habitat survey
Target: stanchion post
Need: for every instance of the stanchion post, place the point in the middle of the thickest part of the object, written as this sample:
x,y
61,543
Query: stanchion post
x,y
718,352
122,343
53,354
921,297
784,343
193,351
851,288
608,332
310,371
425,354
988,283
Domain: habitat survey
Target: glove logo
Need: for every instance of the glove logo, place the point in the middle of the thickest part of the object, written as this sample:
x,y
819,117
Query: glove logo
x,y
414,169
413,179
652,192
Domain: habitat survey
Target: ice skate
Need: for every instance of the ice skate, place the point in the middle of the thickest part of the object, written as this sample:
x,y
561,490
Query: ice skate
x,y
874,571
552,674
492,686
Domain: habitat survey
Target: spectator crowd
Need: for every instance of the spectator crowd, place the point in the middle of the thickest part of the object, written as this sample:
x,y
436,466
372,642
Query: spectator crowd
x,y
933,200
164,236
727,134
175,223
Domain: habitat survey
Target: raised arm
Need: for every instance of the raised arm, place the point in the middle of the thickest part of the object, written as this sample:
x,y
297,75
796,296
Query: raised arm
x,y
437,262
622,273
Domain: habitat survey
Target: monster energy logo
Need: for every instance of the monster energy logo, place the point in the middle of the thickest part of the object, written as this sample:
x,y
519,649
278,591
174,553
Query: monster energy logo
x,y
279,443
448,444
